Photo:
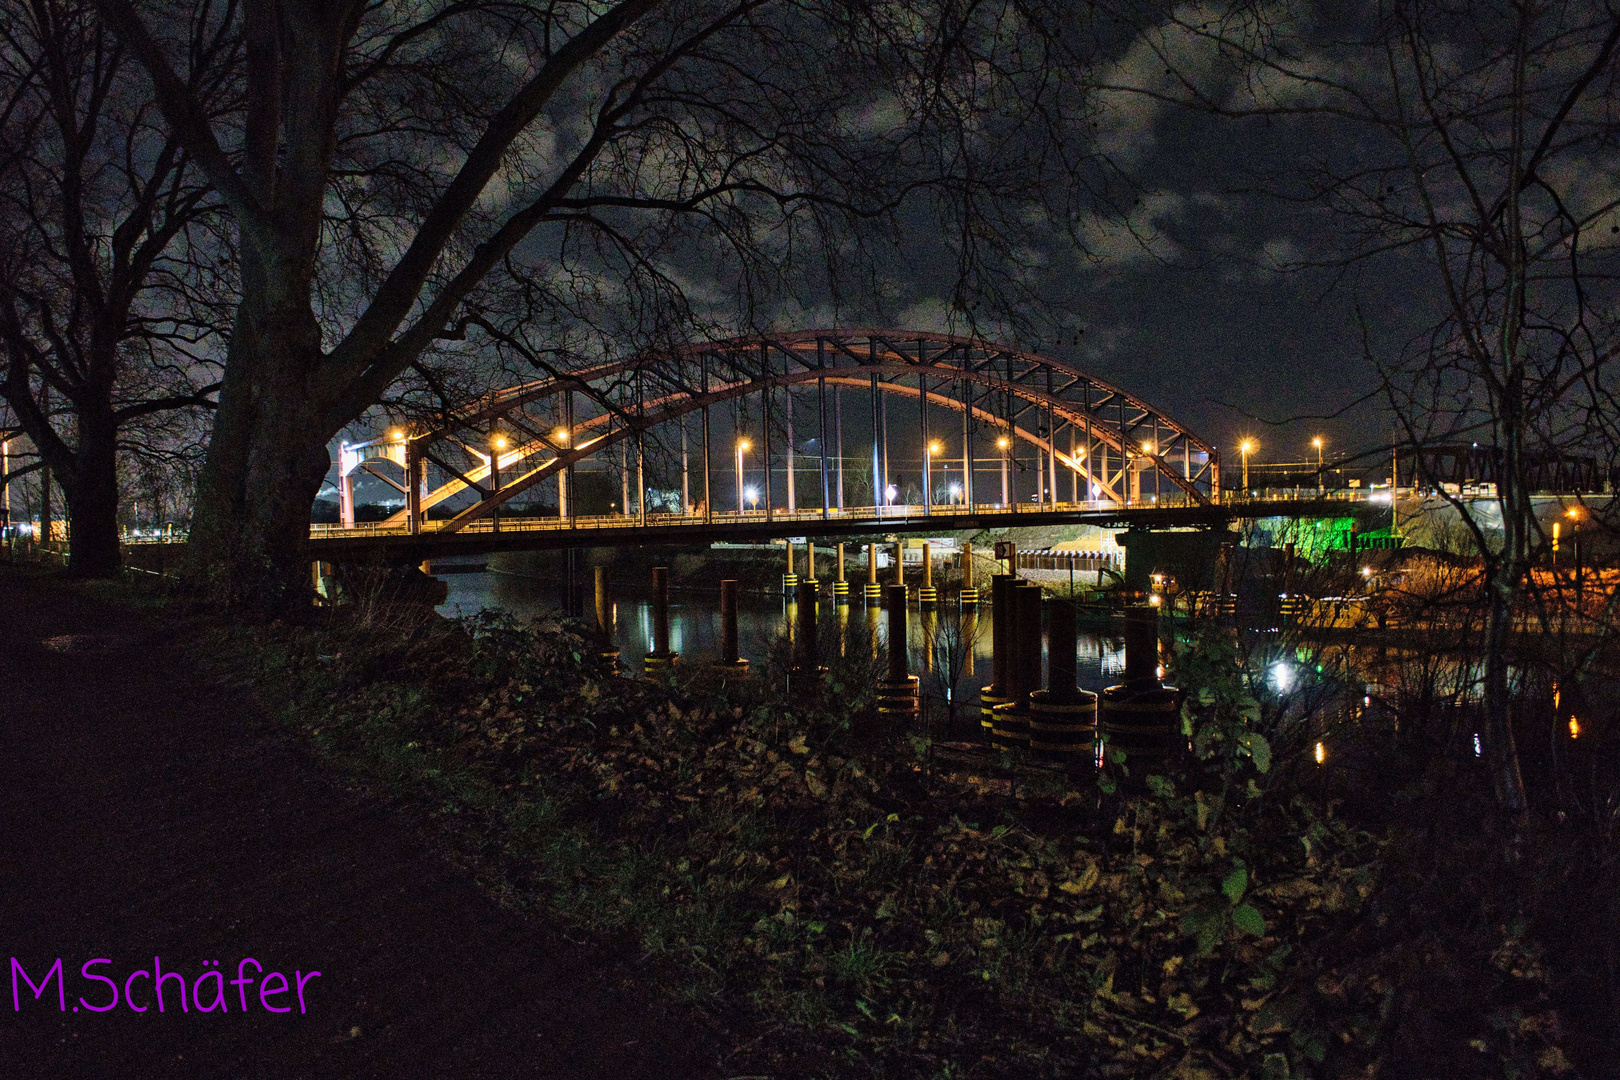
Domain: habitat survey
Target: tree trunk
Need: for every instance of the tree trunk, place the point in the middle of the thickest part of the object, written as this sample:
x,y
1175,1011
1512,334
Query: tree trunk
x,y
267,456
92,497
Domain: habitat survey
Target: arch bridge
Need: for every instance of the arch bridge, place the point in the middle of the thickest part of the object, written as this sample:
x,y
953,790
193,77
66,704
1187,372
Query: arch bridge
x,y
813,426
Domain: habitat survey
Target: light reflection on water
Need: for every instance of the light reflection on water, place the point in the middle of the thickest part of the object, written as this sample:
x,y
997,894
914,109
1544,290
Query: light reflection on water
x,y
694,626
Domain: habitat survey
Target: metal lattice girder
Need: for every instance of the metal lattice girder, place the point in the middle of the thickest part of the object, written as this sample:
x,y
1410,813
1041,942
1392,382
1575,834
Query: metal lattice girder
x,y
997,385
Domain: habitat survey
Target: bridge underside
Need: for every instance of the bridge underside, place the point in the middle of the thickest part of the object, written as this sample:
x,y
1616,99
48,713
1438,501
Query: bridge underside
x,y
403,547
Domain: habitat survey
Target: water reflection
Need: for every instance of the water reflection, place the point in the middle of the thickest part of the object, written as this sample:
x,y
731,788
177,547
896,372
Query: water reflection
x,y
695,629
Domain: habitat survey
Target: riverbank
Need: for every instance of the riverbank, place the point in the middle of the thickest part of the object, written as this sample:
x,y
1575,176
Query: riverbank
x,y
831,897
865,907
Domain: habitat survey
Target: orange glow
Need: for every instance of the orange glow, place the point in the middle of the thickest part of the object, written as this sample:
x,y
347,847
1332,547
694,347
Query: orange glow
x,y
1003,442
1321,753
1574,728
499,442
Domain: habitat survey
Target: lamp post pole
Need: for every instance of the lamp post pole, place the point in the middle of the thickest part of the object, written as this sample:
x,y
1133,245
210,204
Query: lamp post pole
x,y
742,448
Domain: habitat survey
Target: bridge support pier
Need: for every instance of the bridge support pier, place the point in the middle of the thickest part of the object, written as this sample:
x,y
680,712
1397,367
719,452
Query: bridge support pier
x,y
790,580
841,586
810,566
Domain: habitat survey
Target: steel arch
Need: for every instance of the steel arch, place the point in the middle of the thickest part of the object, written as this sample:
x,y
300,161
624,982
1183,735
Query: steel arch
x,y
992,382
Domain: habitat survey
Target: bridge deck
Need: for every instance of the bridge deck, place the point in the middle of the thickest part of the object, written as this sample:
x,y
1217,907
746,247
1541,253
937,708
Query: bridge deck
x,y
536,534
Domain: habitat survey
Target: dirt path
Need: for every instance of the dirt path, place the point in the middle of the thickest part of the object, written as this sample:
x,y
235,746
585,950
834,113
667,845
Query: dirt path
x,y
143,813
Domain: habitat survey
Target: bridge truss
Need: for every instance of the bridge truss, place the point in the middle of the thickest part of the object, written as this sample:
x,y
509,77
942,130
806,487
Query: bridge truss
x,y
997,420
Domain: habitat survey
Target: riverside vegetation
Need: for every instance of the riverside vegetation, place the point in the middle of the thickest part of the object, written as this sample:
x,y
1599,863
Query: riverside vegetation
x,y
838,899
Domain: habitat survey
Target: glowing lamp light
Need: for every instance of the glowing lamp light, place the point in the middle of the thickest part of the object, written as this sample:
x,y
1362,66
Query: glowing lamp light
x,y
1321,753
1282,677
1003,442
1366,571
1317,442
1574,728
397,434
743,444
751,494
935,448
498,442
560,435
1245,446
1154,599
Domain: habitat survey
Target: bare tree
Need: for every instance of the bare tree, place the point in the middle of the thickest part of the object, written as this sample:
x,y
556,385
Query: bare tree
x,y
102,305
1470,146
403,175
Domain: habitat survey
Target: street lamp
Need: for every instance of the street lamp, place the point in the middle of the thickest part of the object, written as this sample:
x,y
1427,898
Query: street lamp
x,y
1245,448
742,448
1002,444
753,495
928,478
1321,477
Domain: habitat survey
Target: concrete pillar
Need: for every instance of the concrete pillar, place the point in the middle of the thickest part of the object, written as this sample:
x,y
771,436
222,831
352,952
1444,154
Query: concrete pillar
x,y
927,595
790,580
840,584
810,565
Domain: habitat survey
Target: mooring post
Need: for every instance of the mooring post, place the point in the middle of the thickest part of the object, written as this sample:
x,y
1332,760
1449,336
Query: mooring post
x,y
806,655
840,585
1063,717
874,591
730,655
927,595
661,657
897,693
1010,727
790,580
810,566
604,616
970,594
1141,717
998,692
